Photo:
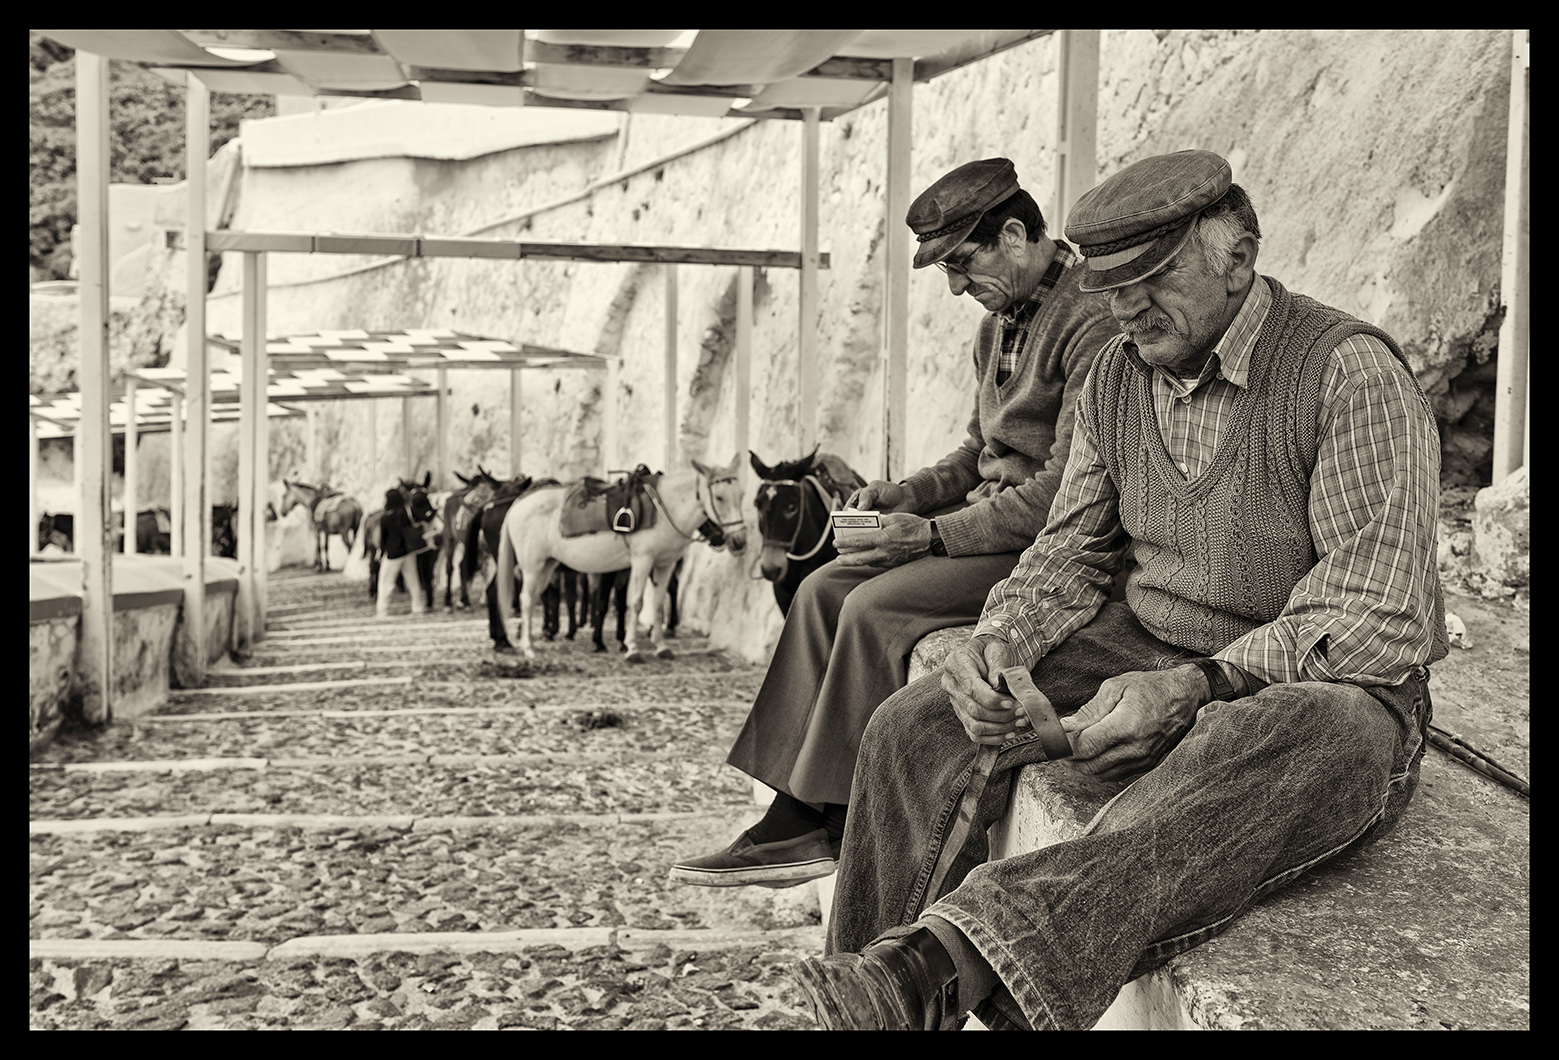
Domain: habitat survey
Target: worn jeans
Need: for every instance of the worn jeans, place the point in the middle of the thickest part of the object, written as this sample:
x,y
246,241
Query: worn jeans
x,y
388,570
1257,791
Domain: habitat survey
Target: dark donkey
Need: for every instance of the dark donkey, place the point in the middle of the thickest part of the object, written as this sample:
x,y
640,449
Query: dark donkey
x,y
424,515
330,512
461,508
793,503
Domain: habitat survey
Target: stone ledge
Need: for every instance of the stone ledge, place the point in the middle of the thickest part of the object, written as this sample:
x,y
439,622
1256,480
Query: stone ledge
x,y
1426,928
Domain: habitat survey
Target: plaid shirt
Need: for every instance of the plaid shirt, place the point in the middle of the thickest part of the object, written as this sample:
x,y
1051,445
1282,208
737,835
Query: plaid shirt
x,y
1373,504
1016,320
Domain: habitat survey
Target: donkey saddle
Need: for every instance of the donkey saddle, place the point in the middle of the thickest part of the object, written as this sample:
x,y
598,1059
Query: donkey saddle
x,y
593,505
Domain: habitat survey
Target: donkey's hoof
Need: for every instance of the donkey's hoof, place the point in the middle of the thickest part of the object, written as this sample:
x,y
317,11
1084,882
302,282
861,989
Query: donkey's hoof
x,y
635,657
665,653
503,649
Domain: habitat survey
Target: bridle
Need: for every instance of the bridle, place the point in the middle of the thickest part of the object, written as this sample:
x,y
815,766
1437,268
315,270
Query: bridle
x,y
830,503
713,527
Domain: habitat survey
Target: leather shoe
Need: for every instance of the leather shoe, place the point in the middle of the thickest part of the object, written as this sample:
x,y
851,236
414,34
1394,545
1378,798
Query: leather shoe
x,y
782,863
903,984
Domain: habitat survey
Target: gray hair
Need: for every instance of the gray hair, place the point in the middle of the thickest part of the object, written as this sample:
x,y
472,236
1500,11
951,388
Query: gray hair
x,y
1221,226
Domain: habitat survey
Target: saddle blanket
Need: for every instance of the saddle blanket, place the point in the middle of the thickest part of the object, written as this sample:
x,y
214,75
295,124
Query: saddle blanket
x,y
594,505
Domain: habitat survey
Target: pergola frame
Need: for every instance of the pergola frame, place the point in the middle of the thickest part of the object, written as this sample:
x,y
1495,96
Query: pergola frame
x,y
1075,172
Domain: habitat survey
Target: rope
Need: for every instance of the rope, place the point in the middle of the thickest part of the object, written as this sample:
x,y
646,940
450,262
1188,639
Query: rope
x,y
828,524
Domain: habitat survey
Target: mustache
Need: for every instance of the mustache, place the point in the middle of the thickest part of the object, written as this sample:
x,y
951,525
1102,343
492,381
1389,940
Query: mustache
x,y
1137,327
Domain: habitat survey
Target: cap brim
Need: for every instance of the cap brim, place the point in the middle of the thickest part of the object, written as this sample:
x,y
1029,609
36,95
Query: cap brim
x,y
934,250
1108,271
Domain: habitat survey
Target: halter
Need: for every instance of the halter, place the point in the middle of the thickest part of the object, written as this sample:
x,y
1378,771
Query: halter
x,y
830,501
703,489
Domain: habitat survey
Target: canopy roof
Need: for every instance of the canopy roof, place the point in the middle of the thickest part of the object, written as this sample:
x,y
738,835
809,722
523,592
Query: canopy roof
x,y
712,72
58,414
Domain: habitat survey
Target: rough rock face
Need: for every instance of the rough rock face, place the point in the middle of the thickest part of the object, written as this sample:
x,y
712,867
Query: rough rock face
x,y
1502,532
1375,160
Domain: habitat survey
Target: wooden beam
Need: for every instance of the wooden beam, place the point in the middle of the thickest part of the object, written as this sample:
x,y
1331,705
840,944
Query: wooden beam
x,y
609,427
197,508
285,40
895,314
603,55
1511,396
441,428
94,529
401,245
669,388
992,42
516,422
1076,121
406,456
806,326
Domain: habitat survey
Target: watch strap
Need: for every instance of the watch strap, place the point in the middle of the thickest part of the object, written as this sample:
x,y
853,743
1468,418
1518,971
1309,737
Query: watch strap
x,y
1218,682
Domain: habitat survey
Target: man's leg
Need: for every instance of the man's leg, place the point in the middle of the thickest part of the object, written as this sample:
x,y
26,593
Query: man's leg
x,y
843,650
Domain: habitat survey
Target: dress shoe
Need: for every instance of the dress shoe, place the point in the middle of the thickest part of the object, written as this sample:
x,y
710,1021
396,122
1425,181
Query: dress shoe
x,y
907,983
782,863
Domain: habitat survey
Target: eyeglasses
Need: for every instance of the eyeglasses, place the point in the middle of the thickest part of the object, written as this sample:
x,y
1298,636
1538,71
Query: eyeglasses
x,y
960,266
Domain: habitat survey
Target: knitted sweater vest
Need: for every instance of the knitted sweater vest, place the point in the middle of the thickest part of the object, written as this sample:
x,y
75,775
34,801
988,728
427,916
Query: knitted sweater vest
x,y
1218,555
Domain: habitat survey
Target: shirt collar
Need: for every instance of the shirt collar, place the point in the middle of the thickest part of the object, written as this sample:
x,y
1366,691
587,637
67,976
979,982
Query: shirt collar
x,y
1239,341
1064,258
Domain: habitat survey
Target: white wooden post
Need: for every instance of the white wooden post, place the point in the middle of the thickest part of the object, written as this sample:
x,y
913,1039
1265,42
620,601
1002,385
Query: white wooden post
x,y
94,434
516,410
406,457
1077,109
441,428
257,526
197,508
668,398
609,416
176,474
897,262
132,504
806,334
311,450
251,407
32,486
743,387
1511,396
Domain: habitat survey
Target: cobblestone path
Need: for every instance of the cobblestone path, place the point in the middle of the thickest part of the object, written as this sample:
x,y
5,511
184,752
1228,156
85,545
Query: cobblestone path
x,y
381,825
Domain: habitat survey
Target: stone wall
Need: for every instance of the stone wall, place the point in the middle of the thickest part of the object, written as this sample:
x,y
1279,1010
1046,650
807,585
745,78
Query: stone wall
x,y
1375,160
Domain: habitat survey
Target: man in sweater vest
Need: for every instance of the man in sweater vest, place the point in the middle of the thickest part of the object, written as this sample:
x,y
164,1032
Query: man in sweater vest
x,y
1258,703
950,531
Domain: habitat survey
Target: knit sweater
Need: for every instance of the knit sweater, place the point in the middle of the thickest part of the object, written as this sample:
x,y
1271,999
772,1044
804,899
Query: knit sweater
x,y
1220,554
1007,470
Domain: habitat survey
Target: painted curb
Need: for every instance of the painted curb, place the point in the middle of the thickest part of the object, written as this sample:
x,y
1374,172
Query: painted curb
x,y
145,949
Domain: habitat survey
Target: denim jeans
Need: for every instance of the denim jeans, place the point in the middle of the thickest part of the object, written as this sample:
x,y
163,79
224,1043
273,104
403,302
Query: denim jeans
x,y
1259,790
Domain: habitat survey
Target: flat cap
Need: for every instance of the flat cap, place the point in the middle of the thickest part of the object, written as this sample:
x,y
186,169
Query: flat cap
x,y
944,214
1128,227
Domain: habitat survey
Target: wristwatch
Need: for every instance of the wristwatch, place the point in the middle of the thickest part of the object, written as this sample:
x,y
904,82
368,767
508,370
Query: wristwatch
x,y
1222,688
938,548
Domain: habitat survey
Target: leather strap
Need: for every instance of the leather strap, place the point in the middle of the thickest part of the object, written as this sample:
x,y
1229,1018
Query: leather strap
x,y
1017,683
1218,682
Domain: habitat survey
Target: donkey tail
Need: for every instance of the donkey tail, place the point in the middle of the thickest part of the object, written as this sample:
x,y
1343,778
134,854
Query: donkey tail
x,y
503,583
471,558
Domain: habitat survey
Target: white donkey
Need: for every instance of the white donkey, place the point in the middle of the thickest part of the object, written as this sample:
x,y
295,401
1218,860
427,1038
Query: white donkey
x,y
703,501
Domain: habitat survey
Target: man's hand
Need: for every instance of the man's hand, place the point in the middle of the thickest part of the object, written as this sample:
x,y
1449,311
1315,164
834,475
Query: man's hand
x,y
901,539
1134,720
880,496
988,716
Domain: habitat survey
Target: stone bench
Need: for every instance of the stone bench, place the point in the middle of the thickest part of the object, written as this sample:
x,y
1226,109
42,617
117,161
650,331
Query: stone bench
x,y
1427,928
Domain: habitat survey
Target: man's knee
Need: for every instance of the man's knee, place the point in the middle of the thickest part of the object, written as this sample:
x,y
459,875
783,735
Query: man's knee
x,y
906,717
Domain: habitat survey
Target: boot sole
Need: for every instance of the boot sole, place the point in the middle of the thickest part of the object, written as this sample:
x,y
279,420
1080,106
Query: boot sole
x,y
756,875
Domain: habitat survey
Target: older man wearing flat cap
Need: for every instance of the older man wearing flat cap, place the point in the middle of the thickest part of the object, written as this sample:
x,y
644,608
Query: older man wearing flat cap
x,y
1258,703
951,530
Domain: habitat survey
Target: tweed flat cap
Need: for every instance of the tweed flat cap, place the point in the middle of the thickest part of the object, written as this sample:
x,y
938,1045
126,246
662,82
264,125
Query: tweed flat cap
x,y
944,214
1129,226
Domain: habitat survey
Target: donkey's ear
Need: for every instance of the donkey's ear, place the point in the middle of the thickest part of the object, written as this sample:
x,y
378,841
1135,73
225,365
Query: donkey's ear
x,y
761,469
701,468
427,480
463,479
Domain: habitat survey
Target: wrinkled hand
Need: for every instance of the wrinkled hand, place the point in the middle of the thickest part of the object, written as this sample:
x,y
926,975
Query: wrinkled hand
x,y
1134,720
880,496
902,538
988,716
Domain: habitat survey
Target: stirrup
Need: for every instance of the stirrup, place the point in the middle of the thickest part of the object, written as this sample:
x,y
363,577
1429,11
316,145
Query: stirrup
x,y
624,522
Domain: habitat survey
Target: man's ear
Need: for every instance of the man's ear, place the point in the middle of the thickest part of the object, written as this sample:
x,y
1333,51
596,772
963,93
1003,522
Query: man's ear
x,y
1014,233
1243,262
